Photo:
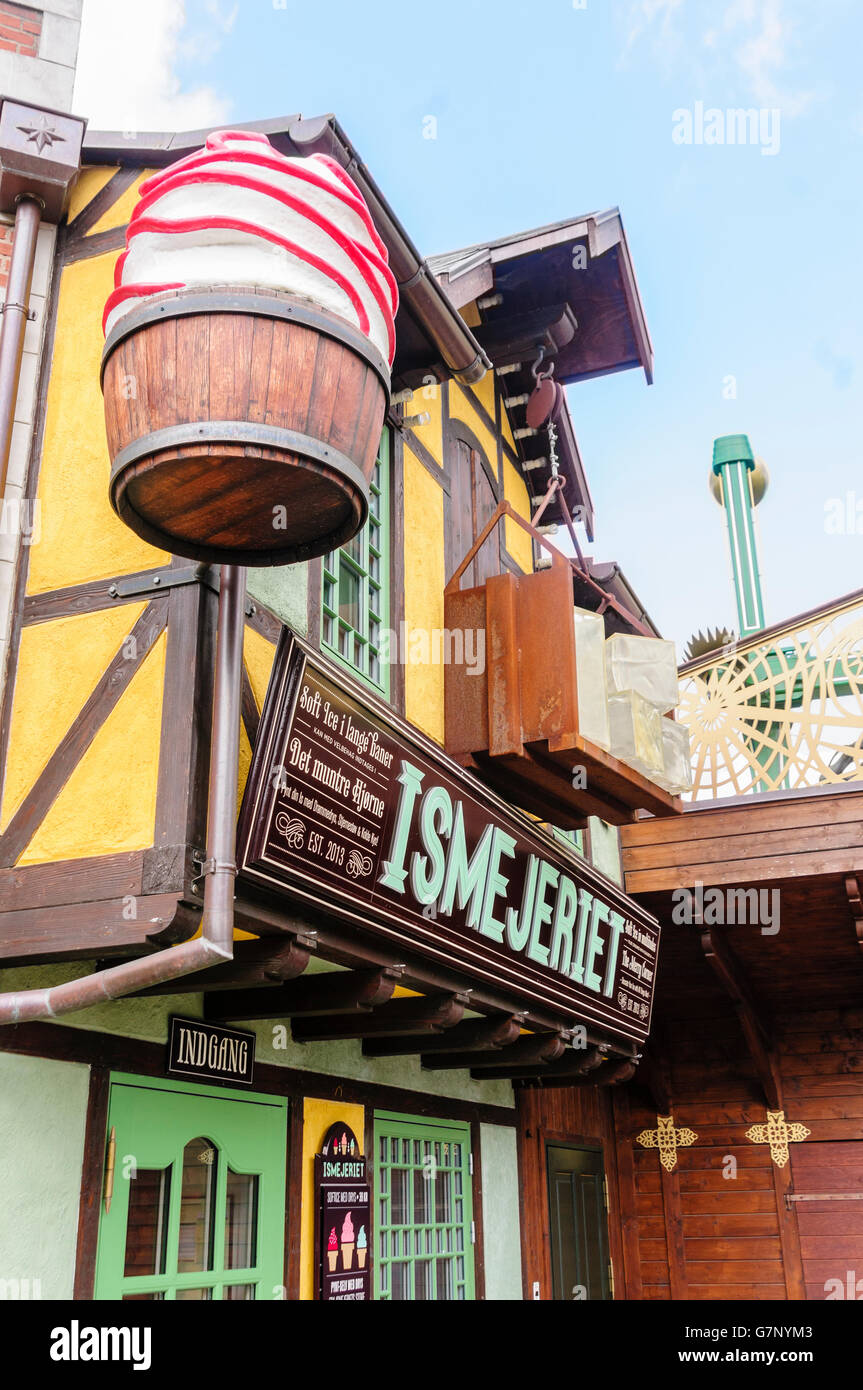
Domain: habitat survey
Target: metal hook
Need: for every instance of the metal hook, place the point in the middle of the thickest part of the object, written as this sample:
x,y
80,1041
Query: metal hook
x,y
535,372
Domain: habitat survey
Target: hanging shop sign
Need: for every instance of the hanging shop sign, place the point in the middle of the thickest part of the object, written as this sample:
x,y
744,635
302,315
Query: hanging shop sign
x,y
343,1231
210,1052
348,807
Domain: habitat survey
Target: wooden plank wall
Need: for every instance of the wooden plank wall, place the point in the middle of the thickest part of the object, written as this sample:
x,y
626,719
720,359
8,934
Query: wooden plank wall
x,y
719,1226
749,840
577,1115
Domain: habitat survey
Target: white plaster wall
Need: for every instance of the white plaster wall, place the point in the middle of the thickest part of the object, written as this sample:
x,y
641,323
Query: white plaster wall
x,y
43,1108
501,1214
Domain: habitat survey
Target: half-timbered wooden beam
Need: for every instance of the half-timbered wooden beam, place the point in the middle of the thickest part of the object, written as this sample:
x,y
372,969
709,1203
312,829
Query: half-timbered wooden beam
x,y
335,992
425,1013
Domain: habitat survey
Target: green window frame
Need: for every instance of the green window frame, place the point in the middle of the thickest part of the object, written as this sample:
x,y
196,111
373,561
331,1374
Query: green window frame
x,y
355,597
424,1209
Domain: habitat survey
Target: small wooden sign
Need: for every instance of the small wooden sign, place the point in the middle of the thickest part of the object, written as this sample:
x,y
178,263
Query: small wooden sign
x,y
344,1219
209,1052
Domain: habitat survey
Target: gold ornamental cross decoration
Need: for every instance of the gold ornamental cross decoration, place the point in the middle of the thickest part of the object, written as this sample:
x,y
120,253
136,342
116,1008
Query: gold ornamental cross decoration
x,y
778,1133
667,1139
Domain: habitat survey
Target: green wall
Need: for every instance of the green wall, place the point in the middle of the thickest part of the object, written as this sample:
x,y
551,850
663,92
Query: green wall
x,y
43,1108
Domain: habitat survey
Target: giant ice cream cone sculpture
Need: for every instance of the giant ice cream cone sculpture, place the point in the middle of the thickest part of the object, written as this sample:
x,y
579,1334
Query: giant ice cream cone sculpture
x,y
249,339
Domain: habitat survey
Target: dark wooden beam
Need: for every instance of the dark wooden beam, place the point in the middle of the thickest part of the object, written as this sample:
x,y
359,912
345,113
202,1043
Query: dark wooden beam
x,y
334,992
88,931
569,1067
256,964
426,1013
609,1074
855,902
534,1050
728,971
653,1074
473,1035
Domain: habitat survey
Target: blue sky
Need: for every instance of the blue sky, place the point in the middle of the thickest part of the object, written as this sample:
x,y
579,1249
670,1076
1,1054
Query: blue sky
x,y
748,262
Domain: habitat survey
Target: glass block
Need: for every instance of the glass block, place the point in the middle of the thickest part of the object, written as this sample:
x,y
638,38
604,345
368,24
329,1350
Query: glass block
x,y
676,774
645,665
636,732
590,677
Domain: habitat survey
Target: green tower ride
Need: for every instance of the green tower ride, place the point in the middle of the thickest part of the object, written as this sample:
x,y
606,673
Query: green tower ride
x,y
738,482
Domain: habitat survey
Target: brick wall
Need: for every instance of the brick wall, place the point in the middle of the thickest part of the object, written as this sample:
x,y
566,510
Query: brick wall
x,y
20,28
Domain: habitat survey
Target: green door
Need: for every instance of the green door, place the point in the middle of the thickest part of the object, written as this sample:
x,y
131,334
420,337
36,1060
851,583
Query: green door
x,y
198,1203
579,1230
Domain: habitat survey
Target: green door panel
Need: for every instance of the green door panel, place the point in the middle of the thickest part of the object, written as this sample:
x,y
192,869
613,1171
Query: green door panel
x,y
198,1206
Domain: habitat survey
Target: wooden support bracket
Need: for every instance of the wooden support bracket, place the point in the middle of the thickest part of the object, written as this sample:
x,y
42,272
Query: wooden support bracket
x,y
727,968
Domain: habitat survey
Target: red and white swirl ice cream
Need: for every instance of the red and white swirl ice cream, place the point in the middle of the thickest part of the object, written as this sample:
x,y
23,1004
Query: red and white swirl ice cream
x,y
239,213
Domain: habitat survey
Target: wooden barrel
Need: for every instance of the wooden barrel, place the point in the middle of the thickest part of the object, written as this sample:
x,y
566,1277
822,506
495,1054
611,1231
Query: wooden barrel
x,y
243,426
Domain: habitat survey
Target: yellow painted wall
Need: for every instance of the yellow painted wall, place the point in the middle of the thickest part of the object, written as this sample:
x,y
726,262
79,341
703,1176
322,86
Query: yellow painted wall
x,y
461,407
88,183
318,1115
81,538
123,757
258,654
518,542
424,584
120,212
428,401
59,665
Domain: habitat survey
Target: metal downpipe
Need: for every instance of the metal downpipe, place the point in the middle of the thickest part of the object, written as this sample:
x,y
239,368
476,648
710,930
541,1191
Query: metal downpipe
x,y
215,945
28,216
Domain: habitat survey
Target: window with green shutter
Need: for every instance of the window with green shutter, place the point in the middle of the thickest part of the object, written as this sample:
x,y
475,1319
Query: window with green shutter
x,y
424,1209
356,581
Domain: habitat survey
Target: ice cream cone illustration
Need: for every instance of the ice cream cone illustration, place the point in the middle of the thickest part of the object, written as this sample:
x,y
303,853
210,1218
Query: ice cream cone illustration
x,y
332,1250
347,1242
361,1247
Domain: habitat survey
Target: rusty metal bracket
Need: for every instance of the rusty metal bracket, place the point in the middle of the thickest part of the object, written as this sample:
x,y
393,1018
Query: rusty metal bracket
x,y
506,509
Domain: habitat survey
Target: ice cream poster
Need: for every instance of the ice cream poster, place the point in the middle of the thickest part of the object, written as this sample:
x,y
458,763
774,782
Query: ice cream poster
x,y
344,1218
